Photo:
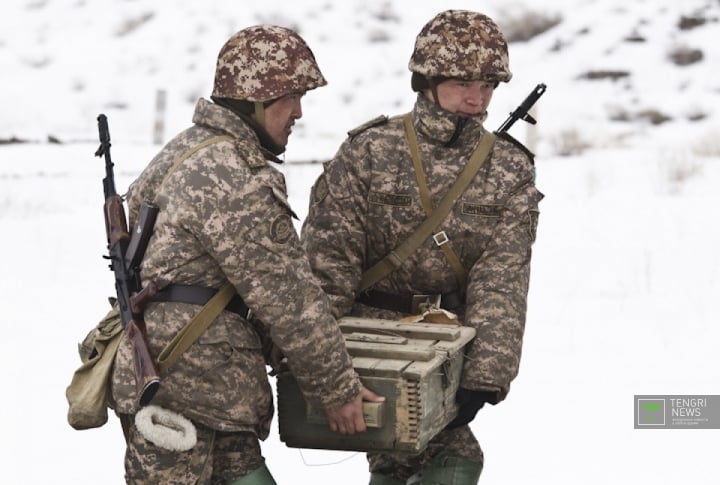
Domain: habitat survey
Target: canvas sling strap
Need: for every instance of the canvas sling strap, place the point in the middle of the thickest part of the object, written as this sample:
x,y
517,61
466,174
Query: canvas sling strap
x,y
433,223
192,330
440,237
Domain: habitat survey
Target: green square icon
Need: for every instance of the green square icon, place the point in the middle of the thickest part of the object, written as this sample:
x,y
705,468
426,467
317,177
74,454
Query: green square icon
x,y
651,412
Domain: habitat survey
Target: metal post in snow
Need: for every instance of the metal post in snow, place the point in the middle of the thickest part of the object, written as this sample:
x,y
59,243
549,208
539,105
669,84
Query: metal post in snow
x,y
159,126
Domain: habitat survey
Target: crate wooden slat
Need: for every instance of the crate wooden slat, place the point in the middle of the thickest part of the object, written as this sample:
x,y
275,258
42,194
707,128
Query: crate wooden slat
x,y
392,327
389,351
371,337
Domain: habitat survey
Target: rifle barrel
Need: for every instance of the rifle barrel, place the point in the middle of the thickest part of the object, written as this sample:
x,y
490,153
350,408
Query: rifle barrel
x,y
521,112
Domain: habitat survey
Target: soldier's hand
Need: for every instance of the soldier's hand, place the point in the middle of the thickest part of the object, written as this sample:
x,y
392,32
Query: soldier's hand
x,y
348,418
469,403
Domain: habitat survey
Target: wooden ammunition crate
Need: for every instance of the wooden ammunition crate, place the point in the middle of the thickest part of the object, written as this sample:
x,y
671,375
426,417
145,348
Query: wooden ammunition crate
x,y
416,366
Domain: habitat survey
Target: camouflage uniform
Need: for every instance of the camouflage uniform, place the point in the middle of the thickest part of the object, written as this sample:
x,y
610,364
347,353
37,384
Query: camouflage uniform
x,y
367,202
224,216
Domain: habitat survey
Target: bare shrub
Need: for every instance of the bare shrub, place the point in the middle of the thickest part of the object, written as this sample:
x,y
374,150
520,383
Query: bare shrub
x,y
526,25
386,13
129,25
635,37
618,113
613,75
684,56
654,116
37,62
651,115
558,45
117,105
36,5
681,173
676,169
12,140
569,142
707,145
690,22
378,36
696,115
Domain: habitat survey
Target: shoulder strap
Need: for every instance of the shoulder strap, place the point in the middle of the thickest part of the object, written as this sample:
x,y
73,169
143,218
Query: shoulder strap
x,y
395,258
188,153
440,236
192,330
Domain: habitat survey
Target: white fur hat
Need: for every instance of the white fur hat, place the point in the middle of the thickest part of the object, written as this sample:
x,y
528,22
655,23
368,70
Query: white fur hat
x,y
166,429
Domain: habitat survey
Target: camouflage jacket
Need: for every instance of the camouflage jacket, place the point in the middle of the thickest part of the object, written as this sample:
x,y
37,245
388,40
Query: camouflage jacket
x,y
224,216
367,202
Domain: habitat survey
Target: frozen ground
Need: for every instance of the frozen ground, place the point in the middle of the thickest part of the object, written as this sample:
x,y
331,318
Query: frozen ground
x,y
626,272
623,301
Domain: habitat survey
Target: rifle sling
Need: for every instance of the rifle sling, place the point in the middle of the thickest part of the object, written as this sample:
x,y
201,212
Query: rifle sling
x,y
192,330
191,152
395,258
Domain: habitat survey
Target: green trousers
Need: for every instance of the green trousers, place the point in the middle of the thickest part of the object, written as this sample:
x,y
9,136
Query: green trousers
x,y
260,476
441,470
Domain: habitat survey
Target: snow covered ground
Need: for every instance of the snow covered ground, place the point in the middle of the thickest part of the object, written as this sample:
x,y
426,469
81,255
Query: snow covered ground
x,y
626,272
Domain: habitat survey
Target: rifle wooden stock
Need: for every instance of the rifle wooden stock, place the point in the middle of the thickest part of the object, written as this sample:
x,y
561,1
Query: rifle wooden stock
x,y
147,380
147,376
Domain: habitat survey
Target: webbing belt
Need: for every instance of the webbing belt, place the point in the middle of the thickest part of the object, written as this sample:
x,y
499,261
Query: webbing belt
x,y
200,295
410,304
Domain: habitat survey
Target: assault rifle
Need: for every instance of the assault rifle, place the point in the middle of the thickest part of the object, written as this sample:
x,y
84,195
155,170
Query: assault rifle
x,y
125,254
521,112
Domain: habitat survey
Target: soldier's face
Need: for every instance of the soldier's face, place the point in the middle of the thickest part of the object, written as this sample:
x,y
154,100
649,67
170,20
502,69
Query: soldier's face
x,y
280,117
465,98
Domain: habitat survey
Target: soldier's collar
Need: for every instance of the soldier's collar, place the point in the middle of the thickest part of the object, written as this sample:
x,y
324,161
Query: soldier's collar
x,y
238,125
441,126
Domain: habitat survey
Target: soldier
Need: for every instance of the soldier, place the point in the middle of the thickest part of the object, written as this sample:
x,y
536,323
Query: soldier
x,y
370,198
224,216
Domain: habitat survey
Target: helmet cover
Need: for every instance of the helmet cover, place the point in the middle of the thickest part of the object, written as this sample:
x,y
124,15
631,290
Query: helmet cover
x,y
265,62
461,44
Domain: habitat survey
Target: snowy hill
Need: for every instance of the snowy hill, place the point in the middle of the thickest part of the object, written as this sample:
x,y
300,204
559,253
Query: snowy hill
x,y
618,72
625,274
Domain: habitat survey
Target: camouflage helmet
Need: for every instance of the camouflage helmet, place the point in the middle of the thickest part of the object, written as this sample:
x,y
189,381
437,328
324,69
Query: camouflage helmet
x,y
263,63
461,44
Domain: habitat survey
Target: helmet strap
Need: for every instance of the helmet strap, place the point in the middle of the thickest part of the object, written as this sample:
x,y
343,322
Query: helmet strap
x,y
260,113
433,90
